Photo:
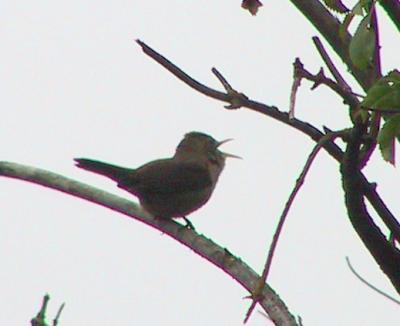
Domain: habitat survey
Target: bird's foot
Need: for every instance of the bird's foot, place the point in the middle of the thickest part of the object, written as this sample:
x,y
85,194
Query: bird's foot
x,y
189,224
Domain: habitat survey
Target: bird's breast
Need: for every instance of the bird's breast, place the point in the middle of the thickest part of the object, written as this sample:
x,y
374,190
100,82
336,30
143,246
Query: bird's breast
x,y
175,205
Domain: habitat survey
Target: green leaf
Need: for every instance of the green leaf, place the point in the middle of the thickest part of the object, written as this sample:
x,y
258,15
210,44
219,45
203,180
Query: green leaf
x,y
367,4
362,6
386,137
358,9
385,93
362,45
336,5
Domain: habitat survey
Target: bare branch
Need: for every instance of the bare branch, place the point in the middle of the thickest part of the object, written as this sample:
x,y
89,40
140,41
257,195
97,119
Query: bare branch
x,y
257,294
181,74
201,245
385,254
235,98
343,85
222,79
328,25
55,321
342,89
380,207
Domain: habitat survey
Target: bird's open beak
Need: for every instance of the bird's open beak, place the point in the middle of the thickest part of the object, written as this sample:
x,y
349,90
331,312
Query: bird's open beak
x,y
227,154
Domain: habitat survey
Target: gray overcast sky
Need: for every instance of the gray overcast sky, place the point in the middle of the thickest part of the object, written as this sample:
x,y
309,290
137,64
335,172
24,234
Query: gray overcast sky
x,y
74,83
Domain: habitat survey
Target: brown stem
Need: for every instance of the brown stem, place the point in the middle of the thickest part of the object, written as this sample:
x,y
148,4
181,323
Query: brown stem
x,y
329,63
343,90
256,295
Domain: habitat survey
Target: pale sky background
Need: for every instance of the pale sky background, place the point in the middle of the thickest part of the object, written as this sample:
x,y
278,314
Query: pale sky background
x,y
75,84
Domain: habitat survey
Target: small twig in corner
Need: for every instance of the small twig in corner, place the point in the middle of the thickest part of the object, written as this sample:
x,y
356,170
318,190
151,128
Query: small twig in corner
x,y
320,79
222,79
296,84
180,74
55,321
235,97
387,296
256,295
329,63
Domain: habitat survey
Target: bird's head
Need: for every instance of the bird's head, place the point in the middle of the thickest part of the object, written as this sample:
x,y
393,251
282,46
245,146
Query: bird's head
x,y
202,146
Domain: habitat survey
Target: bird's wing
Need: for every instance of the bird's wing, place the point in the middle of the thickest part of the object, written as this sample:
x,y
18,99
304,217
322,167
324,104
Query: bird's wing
x,y
167,176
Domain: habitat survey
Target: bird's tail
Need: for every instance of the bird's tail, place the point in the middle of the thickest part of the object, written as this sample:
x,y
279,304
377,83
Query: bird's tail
x,y
113,172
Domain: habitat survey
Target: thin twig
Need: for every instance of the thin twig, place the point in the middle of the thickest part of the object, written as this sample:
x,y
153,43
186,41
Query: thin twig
x,y
222,79
375,121
179,73
329,63
55,321
235,98
377,48
387,296
344,92
295,86
380,207
299,182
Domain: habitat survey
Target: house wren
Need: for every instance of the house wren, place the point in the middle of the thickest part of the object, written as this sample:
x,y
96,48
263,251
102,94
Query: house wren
x,y
172,187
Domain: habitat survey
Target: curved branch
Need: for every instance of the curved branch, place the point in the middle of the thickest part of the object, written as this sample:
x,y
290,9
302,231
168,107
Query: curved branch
x,y
373,287
271,111
373,197
392,8
201,245
380,207
331,66
256,295
385,254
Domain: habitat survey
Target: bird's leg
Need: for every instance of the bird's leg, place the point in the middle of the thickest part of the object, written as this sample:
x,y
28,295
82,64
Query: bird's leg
x,y
189,224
